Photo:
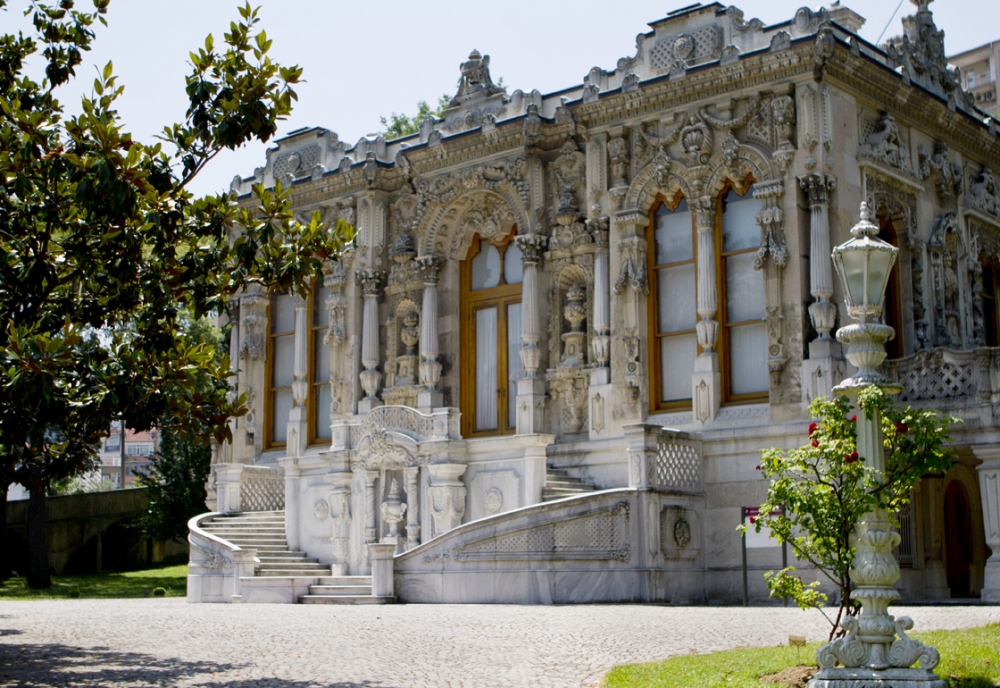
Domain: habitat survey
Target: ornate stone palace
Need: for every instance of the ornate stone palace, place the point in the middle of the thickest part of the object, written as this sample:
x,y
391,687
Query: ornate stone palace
x,y
569,323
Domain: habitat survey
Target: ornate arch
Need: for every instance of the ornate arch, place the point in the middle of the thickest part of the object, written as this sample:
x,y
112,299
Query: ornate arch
x,y
446,199
655,179
734,165
384,449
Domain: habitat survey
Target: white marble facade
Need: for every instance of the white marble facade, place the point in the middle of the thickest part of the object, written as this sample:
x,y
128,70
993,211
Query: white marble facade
x,y
541,282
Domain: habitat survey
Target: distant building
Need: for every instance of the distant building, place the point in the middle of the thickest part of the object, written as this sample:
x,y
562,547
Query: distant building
x,y
978,68
139,448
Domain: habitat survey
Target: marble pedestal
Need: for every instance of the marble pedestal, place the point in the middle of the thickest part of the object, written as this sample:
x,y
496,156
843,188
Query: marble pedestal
x,y
869,678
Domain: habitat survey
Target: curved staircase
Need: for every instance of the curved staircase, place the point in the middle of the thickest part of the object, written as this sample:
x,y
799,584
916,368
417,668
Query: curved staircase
x,y
282,571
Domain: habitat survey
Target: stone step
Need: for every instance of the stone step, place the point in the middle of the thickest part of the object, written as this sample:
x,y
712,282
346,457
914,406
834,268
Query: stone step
x,y
340,590
571,484
293,560
346,580
343,599
296,564
281,554
286,572
251,541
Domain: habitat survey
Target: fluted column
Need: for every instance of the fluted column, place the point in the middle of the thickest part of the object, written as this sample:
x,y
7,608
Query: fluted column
x,y
989,487
531,389
371,285
413,507
822,313
707,379
298,417
430,368
825,366
599,394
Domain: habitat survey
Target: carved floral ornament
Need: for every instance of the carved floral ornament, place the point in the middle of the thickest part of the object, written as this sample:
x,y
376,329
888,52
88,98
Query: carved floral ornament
x,y
384,449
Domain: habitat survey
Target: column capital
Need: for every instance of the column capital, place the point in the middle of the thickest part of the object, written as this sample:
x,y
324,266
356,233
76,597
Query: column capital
x,y
371,280
532,246
429,266
704,210
818,187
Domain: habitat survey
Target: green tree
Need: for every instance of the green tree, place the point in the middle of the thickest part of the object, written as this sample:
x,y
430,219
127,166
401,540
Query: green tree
x,y
400,125
824,487
176,481
98,234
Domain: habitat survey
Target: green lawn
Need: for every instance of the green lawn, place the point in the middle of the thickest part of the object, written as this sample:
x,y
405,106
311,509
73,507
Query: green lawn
x,y
102,585
969,659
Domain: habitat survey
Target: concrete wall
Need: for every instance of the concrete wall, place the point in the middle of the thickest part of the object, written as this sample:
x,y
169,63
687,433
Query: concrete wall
x,y
81,529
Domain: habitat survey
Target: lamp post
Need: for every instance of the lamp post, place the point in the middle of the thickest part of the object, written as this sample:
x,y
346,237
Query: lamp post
x,y
870,651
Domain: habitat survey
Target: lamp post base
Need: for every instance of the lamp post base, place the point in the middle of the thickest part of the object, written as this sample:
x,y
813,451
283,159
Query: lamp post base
x,y
868,678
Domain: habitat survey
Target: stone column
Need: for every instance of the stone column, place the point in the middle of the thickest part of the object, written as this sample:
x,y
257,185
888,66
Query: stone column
x,y
530,389
600,377
707,379
371,503
825,365
253,353
413,507
430,369
989,488
631,288
446,497
298,416
339,499
371,284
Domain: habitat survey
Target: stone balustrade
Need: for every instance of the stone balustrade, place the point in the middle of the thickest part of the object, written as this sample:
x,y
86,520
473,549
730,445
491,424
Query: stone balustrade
x,y
664,459
948,378
243,488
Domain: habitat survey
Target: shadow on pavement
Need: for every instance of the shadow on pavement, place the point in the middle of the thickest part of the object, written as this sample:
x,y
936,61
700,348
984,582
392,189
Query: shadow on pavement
x,y
65,666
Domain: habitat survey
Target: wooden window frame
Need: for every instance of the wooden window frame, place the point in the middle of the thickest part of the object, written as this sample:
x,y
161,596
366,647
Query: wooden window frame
x,y
311,396
500,296
313,351
656,402
728,398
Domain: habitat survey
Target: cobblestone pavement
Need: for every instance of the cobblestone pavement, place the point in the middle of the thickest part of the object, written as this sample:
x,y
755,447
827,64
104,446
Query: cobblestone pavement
x,y
99,643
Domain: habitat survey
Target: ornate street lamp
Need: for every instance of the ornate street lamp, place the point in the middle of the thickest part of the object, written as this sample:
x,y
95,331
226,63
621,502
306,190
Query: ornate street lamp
x,y
870,653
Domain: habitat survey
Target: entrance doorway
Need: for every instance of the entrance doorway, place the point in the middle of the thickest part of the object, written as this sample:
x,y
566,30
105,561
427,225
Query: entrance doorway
x,y
958,539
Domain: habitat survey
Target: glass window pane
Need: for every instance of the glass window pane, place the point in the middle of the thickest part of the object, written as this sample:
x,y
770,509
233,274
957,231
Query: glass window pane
x,y
514,369
321,357
281,406
323,399
282,313
321,317
739,222
675,299
486,267
674,234
744,289
748,359
283,365
513,270
677,356
486,369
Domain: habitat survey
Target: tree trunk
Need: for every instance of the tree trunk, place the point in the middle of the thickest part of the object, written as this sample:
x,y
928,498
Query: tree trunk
x,y
6,570
38,547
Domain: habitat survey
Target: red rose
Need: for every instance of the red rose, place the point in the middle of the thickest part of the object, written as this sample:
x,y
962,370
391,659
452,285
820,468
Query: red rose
x,y
852,457
854,418
815,443
902,428
753,520
758,467
812,427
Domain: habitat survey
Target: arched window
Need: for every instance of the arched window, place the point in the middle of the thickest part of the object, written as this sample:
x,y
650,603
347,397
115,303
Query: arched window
x,y
280,368
491,278
892,311
741,298
991,314
672,312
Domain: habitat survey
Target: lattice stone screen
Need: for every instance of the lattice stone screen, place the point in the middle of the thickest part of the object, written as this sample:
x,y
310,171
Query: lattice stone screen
x,y
677,465
262,489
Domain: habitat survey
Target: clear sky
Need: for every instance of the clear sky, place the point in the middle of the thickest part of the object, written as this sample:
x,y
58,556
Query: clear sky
x,y
365,59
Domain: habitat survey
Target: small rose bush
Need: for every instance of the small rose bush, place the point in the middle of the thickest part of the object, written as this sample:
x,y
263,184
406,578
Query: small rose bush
x,y
826,486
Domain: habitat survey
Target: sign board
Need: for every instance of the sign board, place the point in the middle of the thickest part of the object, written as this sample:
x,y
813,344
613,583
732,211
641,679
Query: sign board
x,y
763,539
